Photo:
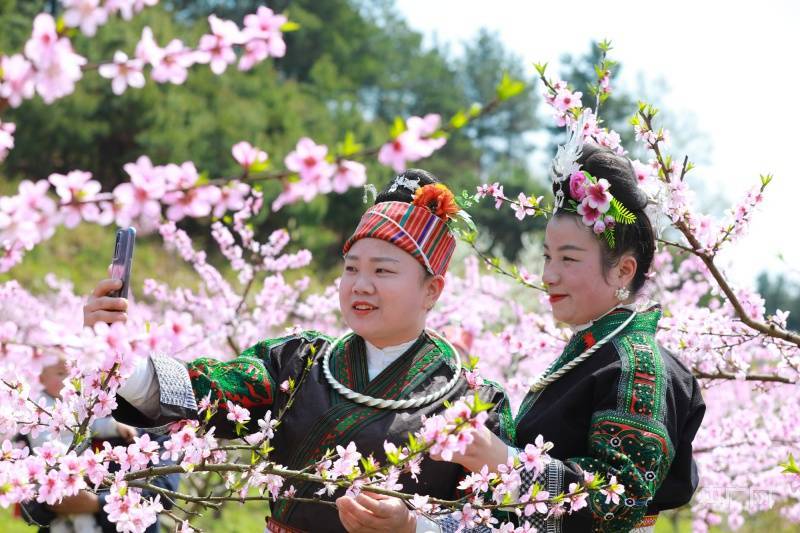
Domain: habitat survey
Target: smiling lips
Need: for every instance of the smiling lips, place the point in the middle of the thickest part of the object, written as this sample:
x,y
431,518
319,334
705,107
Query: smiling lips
x,y
557,298
363,308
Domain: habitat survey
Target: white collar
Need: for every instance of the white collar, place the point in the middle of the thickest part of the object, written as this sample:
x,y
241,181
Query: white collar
x,y
380,358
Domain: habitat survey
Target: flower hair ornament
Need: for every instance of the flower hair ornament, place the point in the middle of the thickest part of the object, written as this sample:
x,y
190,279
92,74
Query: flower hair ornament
x,y
412,184
441,201
586,195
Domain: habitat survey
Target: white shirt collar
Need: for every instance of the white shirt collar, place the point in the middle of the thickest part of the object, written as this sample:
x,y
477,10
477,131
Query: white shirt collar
x,y
380,358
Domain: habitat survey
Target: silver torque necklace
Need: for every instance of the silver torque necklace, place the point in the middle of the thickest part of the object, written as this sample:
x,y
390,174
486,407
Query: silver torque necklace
x,y
543,380
382,403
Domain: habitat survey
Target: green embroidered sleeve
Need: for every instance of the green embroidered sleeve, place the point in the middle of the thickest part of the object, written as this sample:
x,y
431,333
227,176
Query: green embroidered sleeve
x,y
248,380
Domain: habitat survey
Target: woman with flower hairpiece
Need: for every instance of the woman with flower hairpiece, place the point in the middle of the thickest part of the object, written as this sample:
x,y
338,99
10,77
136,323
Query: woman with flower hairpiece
x,y
369,386
614,403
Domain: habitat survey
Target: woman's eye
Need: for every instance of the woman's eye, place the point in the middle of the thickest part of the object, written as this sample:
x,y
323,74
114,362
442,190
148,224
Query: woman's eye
x,y
569,259
546,257
383,271
349,268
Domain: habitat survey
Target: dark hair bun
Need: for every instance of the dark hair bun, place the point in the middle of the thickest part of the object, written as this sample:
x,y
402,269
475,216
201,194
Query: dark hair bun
x,y
401,193
637,238
604,163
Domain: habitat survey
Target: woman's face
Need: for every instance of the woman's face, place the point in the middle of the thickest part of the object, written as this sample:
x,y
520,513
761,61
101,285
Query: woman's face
x,y
579,292
53,376
384,294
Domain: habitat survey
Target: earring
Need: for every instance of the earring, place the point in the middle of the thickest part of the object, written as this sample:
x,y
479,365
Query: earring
x,y
622,294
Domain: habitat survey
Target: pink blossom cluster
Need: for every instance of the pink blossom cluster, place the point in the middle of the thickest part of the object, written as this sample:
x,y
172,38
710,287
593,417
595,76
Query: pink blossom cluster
x,y
50,67
595,201
417,141
177,187
88,15
523,206
566,102
260,39
317,173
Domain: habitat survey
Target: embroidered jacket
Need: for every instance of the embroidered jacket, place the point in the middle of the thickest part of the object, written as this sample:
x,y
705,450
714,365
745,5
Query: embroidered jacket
x,y
631,410
320,418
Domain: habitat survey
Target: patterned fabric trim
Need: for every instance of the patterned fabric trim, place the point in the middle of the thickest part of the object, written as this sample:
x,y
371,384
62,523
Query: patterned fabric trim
x,y
174,386
642,389
507,426
648,521
273,526
450,524
555,485
551,480
243,381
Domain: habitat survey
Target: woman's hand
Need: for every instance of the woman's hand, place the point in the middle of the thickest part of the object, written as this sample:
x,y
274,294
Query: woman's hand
x,y
486,449
126,432
370,512
103,308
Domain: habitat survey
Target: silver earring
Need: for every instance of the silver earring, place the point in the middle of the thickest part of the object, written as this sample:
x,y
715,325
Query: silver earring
x,y
622,294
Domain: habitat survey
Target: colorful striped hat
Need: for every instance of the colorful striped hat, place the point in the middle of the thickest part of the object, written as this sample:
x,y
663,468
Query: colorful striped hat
x,y
413,228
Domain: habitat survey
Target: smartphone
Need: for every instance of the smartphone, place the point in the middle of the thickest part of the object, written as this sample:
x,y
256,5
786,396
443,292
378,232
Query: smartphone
x,y
123,257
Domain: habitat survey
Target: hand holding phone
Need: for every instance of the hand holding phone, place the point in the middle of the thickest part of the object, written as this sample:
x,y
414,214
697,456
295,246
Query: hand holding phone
x,y
108,302
123,258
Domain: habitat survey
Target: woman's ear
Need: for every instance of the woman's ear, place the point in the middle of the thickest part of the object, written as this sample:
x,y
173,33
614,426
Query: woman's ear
x,y
626,270
434,285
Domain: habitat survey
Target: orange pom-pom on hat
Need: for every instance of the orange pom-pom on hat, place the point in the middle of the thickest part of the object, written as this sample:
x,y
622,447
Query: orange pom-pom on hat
x,y
438,199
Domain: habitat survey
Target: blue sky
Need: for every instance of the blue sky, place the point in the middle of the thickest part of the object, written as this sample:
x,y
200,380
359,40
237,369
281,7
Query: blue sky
x,y
732,66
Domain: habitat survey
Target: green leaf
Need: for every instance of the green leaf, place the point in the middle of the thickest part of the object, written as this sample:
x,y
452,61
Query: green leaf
x,y
608,235
289,26
459,120
202,179
266,448
540,68
349,146
508,87
766,179
790,467
259,166
478,405
475,110
398,127
620,213
604,46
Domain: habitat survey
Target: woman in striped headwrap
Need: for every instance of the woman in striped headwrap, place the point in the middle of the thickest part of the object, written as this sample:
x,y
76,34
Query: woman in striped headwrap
x,y
369,386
